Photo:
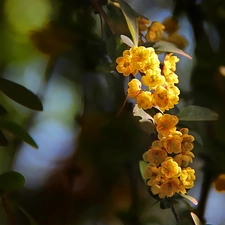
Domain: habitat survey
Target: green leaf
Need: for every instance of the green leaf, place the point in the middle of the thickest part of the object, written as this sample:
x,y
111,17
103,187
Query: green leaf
x,y
3,141
11,181
31,220
142,167
131,19
20,94
146,121
195,219
190,198
105,68
3,111
111,46
164,46
197,113
19,132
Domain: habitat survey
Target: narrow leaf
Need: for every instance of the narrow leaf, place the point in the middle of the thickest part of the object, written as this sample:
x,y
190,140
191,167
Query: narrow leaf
x,y
197,113
195,219
19,132
127,40
20,94
3,111
11,181
131,19
164,46
190,198
142,167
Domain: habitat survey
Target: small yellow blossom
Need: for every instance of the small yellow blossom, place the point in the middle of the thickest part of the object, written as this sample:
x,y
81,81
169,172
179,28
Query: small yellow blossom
x,y
152,173
140,55
165,124
169,187
155,155
134,88
153,78
172,142
170,63
125,65
154,32
160,96
219,183
184,158
144,100
170,168
187,142
187,177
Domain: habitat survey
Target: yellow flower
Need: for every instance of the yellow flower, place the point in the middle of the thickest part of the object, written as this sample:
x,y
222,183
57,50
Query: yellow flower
x,y
187,142
166,97
171,25
165,124
219,183
184,158
152,63
144,100
154,32
125,65
187,177
134,88
170,77
170,62
140,55
169,187
170,168
153,174
172,142
153,78
142,23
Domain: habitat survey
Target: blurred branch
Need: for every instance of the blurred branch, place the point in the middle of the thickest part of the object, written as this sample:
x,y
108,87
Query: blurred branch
x,y
7,210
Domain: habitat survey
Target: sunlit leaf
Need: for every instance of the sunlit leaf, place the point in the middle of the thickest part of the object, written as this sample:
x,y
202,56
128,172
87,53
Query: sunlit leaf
x,y
164,46
190,198
3,141
195,219
142,167
11,181
31,220
146,121
197,113
127,40
131,19
20,94
19,132
3,111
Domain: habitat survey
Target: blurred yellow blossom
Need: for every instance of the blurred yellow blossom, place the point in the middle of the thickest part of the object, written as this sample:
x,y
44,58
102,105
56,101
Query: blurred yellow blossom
x,y
154,32
219,183
187,177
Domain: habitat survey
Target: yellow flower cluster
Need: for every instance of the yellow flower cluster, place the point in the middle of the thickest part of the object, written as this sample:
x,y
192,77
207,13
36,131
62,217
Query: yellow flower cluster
x,y
168,158
160,84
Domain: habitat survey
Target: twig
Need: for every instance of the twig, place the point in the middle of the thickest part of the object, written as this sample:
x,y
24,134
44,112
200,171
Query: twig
x,y
121,109
8,210
174,212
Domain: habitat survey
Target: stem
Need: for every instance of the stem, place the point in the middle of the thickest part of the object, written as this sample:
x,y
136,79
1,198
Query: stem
x,y
174,213
8,210
121,109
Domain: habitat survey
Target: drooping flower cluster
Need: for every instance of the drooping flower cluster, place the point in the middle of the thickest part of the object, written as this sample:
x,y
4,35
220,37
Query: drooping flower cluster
x,y
168,158
160,89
